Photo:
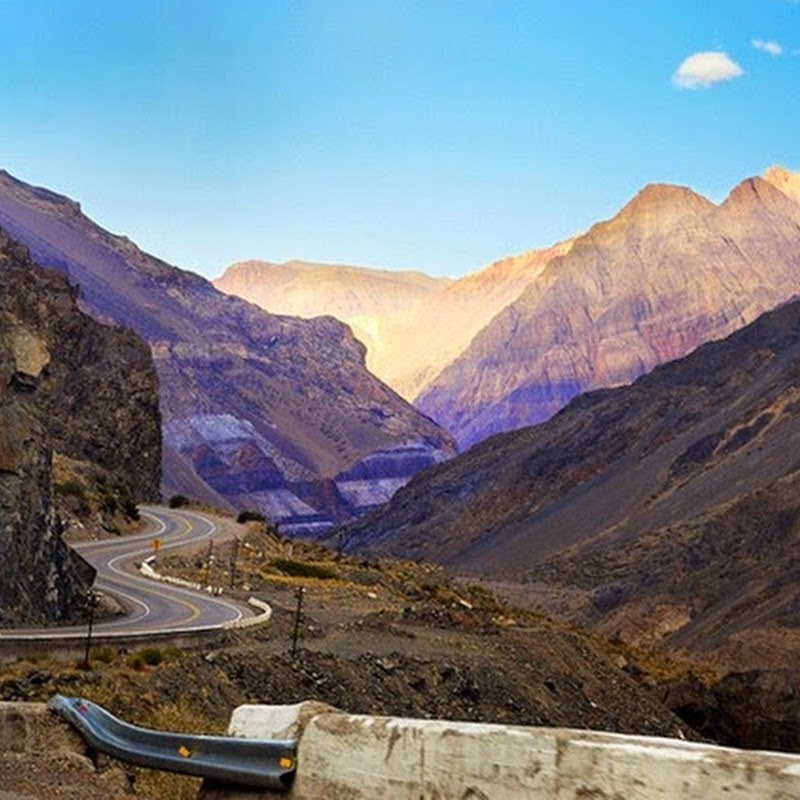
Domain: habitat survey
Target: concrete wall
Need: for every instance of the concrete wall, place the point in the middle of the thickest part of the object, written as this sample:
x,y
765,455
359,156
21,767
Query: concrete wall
x,y
346,756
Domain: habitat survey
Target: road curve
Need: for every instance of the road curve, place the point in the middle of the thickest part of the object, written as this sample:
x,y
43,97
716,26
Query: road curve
x,y
153,607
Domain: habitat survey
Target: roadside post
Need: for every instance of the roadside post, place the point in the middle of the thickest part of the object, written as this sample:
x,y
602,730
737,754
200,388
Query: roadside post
x,y
234,557
91,602
300,592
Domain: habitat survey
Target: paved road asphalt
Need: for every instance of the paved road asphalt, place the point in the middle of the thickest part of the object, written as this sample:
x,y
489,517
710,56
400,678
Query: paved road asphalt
x,y
153,607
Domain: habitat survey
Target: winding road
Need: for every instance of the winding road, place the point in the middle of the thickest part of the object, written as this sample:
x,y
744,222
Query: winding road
x,y
153,607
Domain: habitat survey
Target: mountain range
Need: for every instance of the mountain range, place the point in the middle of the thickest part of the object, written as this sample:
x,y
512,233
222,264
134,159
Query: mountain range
x,y
510,345
259,410
412,325
669,272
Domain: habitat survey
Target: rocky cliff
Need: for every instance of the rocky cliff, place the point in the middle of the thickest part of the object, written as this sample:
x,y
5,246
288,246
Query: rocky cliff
x,y
259,410
669,272
70,385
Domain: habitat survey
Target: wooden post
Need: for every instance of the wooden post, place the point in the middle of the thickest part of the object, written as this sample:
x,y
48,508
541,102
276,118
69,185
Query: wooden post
x,y
300,592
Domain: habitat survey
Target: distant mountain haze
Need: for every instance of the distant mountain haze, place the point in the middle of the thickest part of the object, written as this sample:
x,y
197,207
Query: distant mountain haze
x,y
258,410
412,325
365,299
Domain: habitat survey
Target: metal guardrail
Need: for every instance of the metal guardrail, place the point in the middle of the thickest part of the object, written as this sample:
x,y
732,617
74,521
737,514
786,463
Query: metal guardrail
x,y
251,762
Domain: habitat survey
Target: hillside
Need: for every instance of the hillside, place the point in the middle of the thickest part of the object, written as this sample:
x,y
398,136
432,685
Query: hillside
x,y
669,272
258,410
671,497
74,388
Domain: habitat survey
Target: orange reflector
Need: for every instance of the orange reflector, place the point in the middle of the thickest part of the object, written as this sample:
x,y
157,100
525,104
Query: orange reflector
x,y
285,763
184,751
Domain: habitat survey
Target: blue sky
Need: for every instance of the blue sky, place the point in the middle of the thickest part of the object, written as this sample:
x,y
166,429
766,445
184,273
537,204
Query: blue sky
x,y
409,135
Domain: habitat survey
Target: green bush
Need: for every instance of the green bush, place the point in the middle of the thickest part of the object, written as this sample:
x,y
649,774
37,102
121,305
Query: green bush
x,y
302,569
178,501
131,509
152,656
251,516
136,661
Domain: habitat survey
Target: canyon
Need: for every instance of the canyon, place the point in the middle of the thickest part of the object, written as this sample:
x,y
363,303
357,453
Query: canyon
x,y
664,512
412,325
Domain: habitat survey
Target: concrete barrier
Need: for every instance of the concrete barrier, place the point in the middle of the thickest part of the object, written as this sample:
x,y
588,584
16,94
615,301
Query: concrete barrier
x,y
249,622
350,756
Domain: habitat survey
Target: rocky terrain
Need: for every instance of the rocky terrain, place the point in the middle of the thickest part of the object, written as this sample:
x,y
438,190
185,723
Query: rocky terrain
x,y
380,636
663,512
71,386
669,272
377,637
258,410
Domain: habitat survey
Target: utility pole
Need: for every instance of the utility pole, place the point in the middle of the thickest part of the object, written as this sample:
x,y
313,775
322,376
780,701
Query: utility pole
x,y
300,592
234,556
91,600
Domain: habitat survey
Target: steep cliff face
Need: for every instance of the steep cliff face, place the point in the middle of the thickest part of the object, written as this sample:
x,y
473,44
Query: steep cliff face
x,y
669,272
71,385
258,410
42,579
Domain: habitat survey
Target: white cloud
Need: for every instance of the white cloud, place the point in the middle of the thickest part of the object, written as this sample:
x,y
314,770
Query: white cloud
x,y
773,48
701,70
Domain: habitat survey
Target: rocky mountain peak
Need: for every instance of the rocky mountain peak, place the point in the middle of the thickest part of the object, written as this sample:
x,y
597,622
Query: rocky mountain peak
x,y
660,204
781,178
757,196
